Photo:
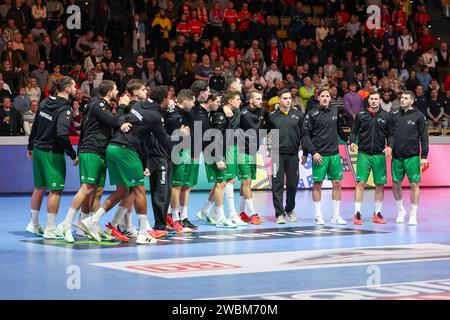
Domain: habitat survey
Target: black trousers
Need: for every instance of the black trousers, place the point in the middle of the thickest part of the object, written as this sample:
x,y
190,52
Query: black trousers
x,y
160,188
286,166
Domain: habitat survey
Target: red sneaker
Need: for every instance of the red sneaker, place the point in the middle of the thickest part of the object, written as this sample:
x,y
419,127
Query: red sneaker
x,y
169,221
255,219
245,217
177,226
378,218
116,233
157,234
357,219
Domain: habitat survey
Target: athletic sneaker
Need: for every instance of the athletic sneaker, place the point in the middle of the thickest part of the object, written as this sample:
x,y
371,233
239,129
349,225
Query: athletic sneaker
x,y
130,232
169,221
255,219
401,216
338,220
52,234
187,224
238,221
178,227
66,232
292,217
378,218
105,236
91,228
318,220
80,231
145,239
116,233
281,219
226,223
358,219
35,229
158,234
412,220
208,217
244,217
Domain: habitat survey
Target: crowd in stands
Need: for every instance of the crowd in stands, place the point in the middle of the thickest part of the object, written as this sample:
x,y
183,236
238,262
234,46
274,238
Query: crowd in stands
x,y
268,44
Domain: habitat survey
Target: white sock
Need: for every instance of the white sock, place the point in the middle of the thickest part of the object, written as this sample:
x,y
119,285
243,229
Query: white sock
x,y
98,215
207,206
184,213
378,206
175,214
70,216
400,206
229,194
128,220
118,216
336,207
219,213
249,204
317,209
34,217
413,210
144,226
84,215
242,204
51,220
358,207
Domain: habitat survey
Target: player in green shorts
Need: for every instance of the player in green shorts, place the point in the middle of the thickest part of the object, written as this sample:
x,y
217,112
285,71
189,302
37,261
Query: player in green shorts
x,y
92,151
321,133
48,141
409,153
222,171
371,128
253,119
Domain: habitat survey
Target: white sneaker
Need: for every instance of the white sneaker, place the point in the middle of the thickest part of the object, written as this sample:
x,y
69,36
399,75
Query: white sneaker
x,y
292,217
318,220
106,235
91,229
80,231
237,220
401,216
35,229
226,223
338,220
52,234
130,232
412,220
66,232
145,239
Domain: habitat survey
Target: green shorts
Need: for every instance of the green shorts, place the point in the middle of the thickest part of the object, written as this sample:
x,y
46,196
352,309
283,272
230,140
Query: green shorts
x,y
92,169
49,170
185,174
124,167
331,167
246,166
375,163
410,166
230,172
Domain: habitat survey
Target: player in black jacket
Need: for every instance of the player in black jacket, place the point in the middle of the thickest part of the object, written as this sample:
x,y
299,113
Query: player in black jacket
x,y
409,142
286,143
99,123
125,156
174,119
321,133
48,141
372,128
253,119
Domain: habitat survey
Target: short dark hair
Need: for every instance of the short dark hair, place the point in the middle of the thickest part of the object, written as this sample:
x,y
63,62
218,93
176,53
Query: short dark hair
x,y
229,81
105,87
230,96
410,93
198,86
214,95
159,93
185,95
283,91
63,83
323,89
374,92
134,84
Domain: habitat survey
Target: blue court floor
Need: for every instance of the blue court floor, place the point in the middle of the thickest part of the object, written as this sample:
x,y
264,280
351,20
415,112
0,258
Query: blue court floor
x,y
269,261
